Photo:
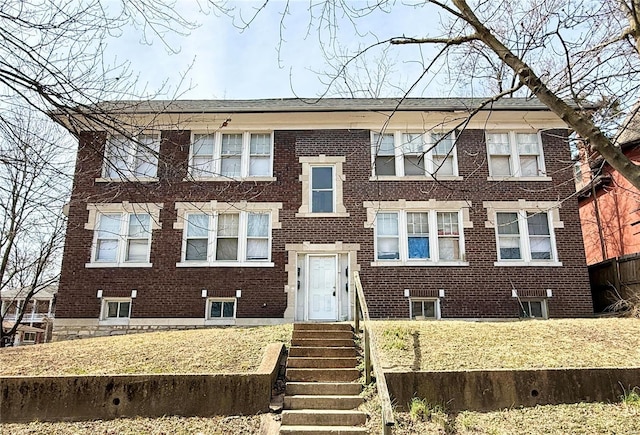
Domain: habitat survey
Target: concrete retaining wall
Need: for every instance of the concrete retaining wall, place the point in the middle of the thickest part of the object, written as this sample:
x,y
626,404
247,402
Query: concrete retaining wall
x,y
481,390
76,398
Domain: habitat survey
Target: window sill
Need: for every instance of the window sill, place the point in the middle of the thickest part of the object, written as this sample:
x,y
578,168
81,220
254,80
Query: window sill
x,y
120,321
225,264
398,263
127,180
119,265
415,178
528,264
323,215
231,179
220,322
512,178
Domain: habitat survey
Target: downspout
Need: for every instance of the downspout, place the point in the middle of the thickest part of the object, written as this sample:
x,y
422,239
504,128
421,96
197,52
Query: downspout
x,y
596,209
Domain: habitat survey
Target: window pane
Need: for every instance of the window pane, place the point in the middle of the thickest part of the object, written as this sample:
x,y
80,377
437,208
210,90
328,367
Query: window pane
x,y
197,225
231,166
507,223
388,248
260,166
227,249
124,309
527,143
258,225
411,143
429,309
416,308
535,309
510,248
109,226
196,250
443,165
257,249
147,148
418,247
117,156
498,143
203,145
106,250
231,144
448,223
413,165
449,248
387,224
216,309
417,223
228,225
538,224
385,165
139,225
202,167
322,178
529,166
227,309
540,248
444,147
500,166
322,201
137,250
112,309
384,145
260,144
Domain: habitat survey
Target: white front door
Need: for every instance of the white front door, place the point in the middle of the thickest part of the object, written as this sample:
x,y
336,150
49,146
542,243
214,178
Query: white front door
x,y
322,288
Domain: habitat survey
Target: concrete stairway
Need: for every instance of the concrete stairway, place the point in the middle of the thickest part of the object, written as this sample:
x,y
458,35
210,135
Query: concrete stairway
x,y
322,393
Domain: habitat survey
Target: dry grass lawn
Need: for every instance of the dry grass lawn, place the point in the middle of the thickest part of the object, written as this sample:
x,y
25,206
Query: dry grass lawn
x,y
213,350
460,345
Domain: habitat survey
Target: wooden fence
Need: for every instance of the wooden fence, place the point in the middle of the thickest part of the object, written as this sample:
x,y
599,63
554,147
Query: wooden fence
x,y
615,279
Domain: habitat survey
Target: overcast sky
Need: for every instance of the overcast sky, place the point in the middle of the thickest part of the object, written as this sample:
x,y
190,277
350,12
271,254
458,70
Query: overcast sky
x,y
236,64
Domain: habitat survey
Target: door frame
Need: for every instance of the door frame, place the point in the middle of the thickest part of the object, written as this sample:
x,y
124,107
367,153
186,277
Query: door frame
x,y
307,287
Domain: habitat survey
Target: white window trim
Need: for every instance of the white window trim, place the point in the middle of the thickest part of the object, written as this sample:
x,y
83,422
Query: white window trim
x,y
428,145
208,320
217,157
96,210
213,209
114,320
104,178
515,158
438,314
432,207
336,162
522,207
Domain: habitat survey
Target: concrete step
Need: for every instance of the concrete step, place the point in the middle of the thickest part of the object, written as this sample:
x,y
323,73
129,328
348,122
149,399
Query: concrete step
x,y
329,352
320,342
322,375
323,430
321,362
322,326
348,335
322,402
322,417
323,388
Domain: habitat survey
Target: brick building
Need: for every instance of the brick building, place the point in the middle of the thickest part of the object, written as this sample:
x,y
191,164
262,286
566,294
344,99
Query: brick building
x,y
254,212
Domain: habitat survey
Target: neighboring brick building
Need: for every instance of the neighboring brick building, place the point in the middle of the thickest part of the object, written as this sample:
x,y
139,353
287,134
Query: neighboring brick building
x,y
36,324
259,211
610,205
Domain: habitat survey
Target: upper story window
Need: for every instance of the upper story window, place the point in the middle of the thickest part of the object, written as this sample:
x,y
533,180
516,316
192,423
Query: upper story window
x,y
525,232
515,154
414,154
133,157
322,189
418,233
122,233
122,238
231,155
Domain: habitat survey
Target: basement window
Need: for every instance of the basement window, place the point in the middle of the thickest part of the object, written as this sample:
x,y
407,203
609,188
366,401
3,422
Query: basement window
x,y
423,309
218,308
114,309
533,309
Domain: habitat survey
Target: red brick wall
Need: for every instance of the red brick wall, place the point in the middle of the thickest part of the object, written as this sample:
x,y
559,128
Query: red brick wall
x,y
478,290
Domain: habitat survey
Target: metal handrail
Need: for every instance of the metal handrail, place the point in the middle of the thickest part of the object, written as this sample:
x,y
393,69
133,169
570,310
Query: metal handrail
x,y
371,359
